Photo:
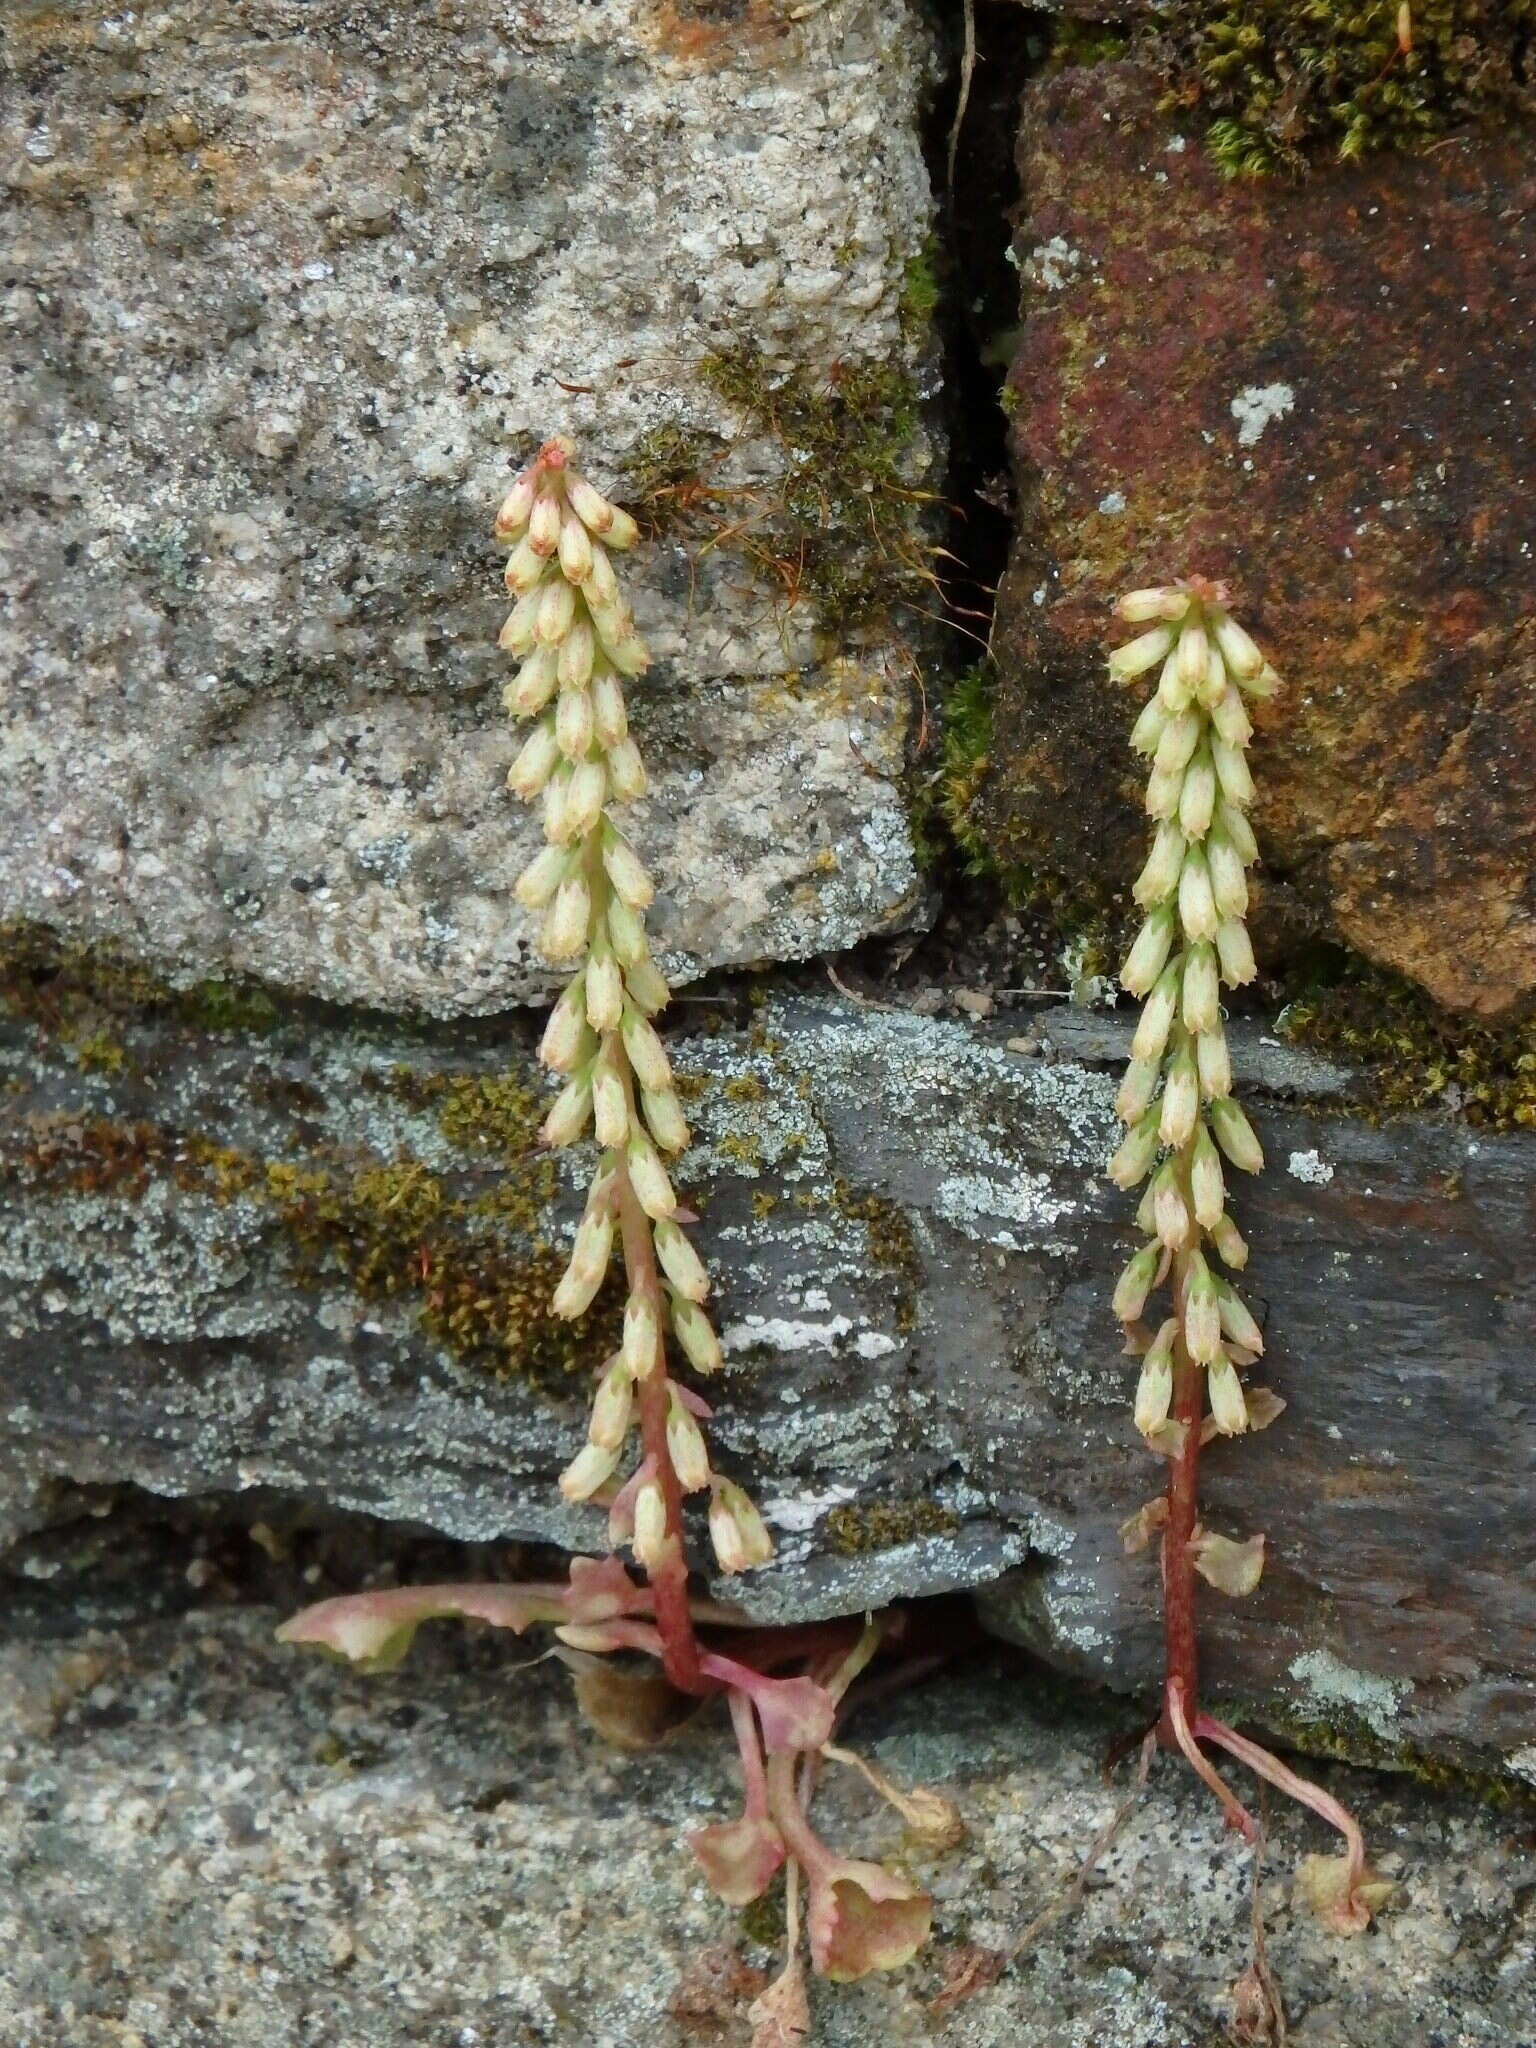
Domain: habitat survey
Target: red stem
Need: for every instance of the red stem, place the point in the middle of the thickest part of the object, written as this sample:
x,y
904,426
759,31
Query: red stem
x,y
669,1580
1181,1650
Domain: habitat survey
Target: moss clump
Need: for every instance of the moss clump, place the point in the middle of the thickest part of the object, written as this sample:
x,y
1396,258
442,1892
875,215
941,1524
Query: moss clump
x,y
919,292
74,991
892,1246
1086,42
843,528
745,1088
667,477
1284,81
855,1530
1414,1052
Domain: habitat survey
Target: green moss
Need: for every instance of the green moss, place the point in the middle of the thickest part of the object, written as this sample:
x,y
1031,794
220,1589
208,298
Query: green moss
x,y
745,1149
1283,82
892,1245
919,299
762,1921
73,991
843,528
1413,1051
855,1530
667,476
745,1088
1086,42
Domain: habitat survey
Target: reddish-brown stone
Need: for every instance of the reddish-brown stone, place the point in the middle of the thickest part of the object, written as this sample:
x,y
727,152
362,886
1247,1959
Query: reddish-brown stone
x,y
1325,393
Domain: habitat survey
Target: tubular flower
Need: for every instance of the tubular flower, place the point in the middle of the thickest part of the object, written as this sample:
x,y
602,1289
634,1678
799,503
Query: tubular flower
x,y
576,641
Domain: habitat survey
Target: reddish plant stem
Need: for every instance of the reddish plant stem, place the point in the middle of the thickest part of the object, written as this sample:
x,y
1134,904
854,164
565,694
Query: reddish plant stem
x,y
1181,1649
669,1581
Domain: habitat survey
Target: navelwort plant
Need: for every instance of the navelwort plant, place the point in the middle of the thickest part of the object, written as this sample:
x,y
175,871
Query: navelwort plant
x,y
1182,1123
646,1453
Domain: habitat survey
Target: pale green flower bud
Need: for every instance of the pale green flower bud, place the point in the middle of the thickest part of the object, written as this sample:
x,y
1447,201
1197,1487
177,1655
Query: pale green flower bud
x,y
1140,654
525,568
612,1407
1181,1099
1163,602
1229,1411
1237,1321
1160,876
1163,793
588,1472
1147,732
1235,1135
512,518
1197,797
544,524
680,1262
648,1176
1146,1209
516,636
554,803
1157,1014
590,506
647,1055
1170,1216
1235,825
1133,1161
563,935
1136,1283
1137,1087
1173,693
1202,1314
1207,1187
642,1334
533,685
1231,720
1201,1002
575,658
609,715
1231,1245
1194,650
536,885
568,1116
575,551
565,1033
1238,650
586,1270
663,1114
1213,682
584,799
628,877
1234,949
610,1103
602,583
650,1538
1232,772
686,1447
1154,1386
736,1530
696,1335
1264,684
1181,736
626,771
573,724
629,655
1229,884
626,933
556,614
1197,906
647,987
1149,955
1215,1064
605,992
535,762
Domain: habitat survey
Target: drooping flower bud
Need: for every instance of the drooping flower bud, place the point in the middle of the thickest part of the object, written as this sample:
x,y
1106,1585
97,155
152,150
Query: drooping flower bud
x,y
1206,1186
544,524
686,1449
664,1119
1136,1283
1229,885
1161,602
680,1262
1235,951
1231,1245
589,1471
1181,736
1229,1411
626,771
1160,876
608,712
1154,1385
1215,1064
1157,1014
565,1032
556,613
652,1188
605,991
588,1267
1194,650
584,799
1140,654
737,1531
536,761
1232,772
1138,1085
536,885
1238,649
1181,1098
1149,954
575,551
1200,997
1237,1321
1197,906
610,1103
1202,1313
568,1115
1169,1212
512,518
626,933
1148,730
1133,1161
573,664
1197,797
642,1334
612,1407
1231,720
696,1334
573,724
650,1538
564,933
1235,1135
628,877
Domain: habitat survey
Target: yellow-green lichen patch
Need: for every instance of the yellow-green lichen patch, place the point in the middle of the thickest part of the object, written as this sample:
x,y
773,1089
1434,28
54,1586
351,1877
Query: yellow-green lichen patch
x,y
1417,1055
1283,81
855,1529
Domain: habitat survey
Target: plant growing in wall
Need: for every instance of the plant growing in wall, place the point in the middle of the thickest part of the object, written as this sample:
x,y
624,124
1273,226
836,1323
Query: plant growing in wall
x,y
1184,1134
646,1454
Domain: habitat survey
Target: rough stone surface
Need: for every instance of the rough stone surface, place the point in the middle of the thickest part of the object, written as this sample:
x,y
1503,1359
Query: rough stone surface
x,y
207,1838
915,1248
1315,391
287,285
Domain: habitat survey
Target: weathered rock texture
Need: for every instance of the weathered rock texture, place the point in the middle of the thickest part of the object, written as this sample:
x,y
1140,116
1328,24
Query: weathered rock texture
x,y
209,1839
287,286
1316,391
311,1263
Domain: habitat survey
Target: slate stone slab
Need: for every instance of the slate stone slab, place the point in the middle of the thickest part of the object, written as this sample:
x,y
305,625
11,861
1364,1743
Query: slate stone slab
x,y
309,1262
